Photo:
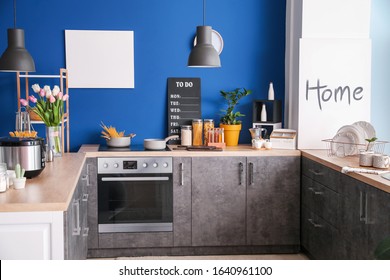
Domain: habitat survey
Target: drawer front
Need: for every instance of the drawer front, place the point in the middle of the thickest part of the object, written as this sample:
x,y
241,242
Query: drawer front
x,y
321,200
321,174
319,238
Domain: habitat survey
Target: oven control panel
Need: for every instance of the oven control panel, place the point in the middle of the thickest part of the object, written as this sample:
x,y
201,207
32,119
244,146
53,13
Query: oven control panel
x,y
123,165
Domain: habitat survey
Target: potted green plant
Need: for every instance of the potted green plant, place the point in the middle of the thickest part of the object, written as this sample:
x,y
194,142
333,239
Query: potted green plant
x,y
19,180
229,121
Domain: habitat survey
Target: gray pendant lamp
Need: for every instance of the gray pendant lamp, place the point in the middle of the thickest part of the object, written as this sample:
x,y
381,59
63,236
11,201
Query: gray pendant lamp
x,y
16,58
204,54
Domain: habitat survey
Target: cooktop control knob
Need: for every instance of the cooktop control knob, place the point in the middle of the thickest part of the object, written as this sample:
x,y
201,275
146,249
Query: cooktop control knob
x,y
155,165
116,165
165,164
144,165
105,165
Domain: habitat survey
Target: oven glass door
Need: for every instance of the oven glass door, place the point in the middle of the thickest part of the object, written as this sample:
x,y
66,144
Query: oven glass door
x,y
135,202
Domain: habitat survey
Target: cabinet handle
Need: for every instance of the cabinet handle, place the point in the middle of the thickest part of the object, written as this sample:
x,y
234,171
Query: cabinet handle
x,y
76,218
315,172
241,171
85,178
86,231
88,173
181,174
85,197
315,192
251,179
362,211
314,223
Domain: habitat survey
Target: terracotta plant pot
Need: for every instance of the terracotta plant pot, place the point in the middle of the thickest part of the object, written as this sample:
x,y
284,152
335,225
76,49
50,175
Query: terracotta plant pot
x,y
232,133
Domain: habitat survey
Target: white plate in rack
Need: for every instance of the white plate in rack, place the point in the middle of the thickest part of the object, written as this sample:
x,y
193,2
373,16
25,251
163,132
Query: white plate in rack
x,y
368,129
344,144
358,133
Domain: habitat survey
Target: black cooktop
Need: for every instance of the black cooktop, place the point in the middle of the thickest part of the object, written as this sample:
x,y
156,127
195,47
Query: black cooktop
x,y
131,148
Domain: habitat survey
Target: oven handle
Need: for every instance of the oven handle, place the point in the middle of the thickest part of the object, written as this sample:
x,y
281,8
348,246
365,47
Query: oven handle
x,y
133,179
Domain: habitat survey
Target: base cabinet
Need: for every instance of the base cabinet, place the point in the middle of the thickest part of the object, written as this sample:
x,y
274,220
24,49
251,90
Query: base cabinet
x,y
218,201
366,219
76,220
273,197
342,217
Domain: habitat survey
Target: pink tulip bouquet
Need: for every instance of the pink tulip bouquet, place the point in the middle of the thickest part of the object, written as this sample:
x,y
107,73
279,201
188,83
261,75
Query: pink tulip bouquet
x,y
49,105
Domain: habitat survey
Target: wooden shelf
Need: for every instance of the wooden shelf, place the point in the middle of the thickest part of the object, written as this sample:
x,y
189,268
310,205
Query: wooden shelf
x,y
63,79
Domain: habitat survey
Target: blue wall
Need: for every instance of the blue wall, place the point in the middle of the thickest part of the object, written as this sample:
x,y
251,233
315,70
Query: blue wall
x,y
253,55
380,34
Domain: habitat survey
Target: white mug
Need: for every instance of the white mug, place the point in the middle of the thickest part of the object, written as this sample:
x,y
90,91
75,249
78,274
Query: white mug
x,y
257,143
366,158
268,145
381,161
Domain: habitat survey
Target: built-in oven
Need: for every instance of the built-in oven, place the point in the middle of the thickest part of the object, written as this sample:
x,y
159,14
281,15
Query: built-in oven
x,y
135,194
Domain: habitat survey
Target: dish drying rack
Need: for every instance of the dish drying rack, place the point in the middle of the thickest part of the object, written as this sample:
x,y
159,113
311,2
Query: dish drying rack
x,y
343,149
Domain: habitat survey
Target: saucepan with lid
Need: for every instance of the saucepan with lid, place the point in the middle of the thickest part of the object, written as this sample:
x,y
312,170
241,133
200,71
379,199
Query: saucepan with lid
x,y
158,144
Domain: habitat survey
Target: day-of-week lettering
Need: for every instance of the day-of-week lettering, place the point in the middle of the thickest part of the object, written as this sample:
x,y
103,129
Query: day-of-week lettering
x,y
175,103
175,110
174,124
173,96
324,94
175,117
175,130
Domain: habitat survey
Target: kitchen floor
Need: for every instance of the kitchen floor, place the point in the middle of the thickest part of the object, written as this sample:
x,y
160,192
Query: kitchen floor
x,y
222,257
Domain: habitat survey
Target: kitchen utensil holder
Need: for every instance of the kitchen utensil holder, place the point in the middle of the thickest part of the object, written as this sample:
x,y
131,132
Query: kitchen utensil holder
x,y
377,147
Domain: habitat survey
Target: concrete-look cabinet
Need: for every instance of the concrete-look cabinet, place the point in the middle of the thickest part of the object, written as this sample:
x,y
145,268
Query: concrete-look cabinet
x,y
273,198
342,217
218,201
365,219
245,201
76,219
182,201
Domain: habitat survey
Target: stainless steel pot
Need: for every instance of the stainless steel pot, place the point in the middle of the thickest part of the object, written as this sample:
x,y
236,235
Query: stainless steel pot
x,y
28,152
158,144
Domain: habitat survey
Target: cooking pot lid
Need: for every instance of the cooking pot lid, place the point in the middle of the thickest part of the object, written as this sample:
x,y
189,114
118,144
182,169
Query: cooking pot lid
x,y
15,141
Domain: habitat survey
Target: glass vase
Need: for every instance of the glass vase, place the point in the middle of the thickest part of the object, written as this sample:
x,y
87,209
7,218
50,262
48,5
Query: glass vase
x,y
53,139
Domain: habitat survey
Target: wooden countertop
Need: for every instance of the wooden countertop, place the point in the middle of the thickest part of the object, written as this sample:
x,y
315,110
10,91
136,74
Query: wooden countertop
x,y
52,190
240,150
337,163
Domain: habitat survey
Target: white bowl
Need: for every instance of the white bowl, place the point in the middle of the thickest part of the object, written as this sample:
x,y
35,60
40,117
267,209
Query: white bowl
x,y
119,142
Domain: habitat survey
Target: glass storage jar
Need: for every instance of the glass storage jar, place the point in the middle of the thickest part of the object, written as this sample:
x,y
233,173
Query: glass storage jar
x,y
207,124
197,132
186,135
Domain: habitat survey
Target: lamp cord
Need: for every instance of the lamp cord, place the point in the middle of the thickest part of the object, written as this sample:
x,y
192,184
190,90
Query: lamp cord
x,y
14,14
204,11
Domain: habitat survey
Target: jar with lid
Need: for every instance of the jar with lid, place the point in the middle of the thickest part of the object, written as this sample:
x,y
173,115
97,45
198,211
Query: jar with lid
x,y
186,135
197,132
207,125
3,177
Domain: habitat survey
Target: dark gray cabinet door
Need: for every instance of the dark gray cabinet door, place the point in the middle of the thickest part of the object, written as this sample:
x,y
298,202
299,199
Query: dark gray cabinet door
x,y
378,220
218,201
93,239
354,218
182,201
273,201
76,221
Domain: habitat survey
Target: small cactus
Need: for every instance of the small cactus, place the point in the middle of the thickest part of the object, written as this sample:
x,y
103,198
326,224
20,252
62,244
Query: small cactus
x,y
19,172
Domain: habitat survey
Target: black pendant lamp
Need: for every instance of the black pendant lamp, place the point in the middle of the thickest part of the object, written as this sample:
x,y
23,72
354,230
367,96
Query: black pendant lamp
x,y
204,54
16,58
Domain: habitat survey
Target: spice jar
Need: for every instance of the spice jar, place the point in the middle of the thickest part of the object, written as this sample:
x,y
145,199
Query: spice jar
x,y
186,135
207,125
197,131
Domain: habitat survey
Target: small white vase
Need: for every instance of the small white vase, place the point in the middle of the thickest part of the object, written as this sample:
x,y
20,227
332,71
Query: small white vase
x,y
271,93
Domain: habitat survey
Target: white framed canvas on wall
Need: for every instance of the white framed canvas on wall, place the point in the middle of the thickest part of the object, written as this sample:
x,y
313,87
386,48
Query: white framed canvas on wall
x,y
334,87
100,59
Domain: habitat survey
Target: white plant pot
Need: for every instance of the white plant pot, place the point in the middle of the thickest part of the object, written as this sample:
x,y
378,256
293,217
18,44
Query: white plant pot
x,y
19,183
